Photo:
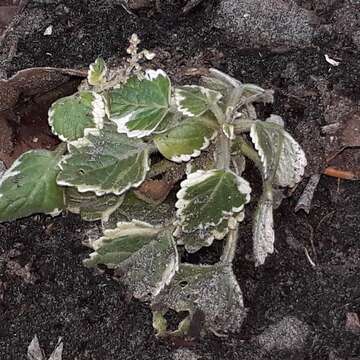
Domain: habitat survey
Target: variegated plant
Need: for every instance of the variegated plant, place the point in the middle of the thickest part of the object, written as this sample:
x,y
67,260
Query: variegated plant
x,y
118,134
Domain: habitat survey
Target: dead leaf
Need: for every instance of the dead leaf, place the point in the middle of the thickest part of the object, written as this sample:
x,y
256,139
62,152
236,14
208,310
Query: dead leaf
x,y
352,323
154,191
25,99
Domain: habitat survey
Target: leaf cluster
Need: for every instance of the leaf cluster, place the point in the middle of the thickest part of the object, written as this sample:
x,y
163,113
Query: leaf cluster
x,y
114,134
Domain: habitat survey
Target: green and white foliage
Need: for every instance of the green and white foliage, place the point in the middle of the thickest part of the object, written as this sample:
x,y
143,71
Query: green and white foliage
x,y
197,139
282,157
263,229
209,293
197,239
208,197
69,117
29,186
97,72
187,138
105,163
90,206
139,106
134,208
145,256
195,100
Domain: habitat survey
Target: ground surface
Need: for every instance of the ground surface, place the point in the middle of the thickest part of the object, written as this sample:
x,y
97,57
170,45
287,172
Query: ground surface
x,y
296,311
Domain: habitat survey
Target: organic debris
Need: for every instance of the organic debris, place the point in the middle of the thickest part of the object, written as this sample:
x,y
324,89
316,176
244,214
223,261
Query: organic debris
x,y
24,102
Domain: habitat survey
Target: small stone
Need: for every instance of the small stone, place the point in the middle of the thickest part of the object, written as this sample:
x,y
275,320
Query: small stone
x,y
185,354
48,31
289,334
352,323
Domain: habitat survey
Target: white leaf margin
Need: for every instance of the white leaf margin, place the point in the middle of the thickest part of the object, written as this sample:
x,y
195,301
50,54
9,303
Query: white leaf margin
x,y
198,177
11,172
97,189
98,113
132,228
300,162
93,71
196,152
229,131
179,97
122,121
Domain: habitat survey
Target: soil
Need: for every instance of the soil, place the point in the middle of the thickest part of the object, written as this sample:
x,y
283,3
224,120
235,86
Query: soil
x,y
44,288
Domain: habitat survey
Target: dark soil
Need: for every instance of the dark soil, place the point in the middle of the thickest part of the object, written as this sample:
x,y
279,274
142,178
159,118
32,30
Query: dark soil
x,y
46,290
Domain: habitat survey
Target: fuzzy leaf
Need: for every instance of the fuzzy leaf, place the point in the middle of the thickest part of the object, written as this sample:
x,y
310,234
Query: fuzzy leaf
x,y
29,186
139,107
97,72
70,116
282,157
105,162
90,206
192,100
208,292
263,230
146,256
187,138
134,208
208,197
198,239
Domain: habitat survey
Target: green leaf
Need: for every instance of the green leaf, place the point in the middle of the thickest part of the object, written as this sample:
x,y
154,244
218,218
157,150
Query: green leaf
x,y
97,72
208,197
139,107
192,100
134,208
198,239
105,162
29,186
282,157
186,139
70,116
263,230
146,256
90,206
208,292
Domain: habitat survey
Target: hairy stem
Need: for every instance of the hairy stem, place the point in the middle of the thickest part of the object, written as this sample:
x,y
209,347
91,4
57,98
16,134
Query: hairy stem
x,y
217,111
242,126
223,156
228,254
61,149
268,190
242,146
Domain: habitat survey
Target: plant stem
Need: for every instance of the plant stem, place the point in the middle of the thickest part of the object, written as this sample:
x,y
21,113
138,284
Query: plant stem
x,y
217,111
60,149
228,254
268,190
242,146
243,126
223,155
